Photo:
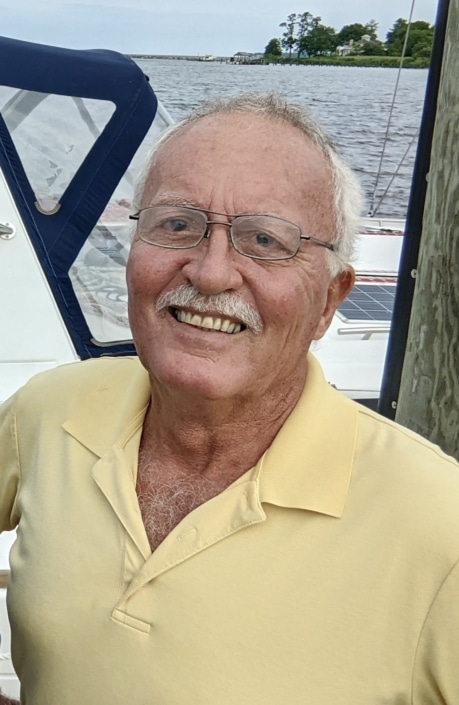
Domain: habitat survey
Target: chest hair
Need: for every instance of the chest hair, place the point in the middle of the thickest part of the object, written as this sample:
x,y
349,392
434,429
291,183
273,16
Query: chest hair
x,y
166,496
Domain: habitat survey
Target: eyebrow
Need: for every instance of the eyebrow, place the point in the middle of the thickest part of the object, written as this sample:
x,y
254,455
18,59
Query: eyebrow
x,y
166,200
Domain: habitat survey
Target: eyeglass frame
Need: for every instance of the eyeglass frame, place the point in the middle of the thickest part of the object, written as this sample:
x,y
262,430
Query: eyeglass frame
x,y
207,232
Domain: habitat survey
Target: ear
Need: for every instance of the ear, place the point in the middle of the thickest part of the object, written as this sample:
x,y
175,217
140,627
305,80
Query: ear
x,y
338,289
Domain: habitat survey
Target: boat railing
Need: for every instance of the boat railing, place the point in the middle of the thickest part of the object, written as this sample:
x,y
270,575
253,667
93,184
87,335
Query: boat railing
x,y
365,329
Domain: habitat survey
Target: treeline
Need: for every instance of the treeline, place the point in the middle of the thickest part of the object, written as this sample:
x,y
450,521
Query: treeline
x,y
305,37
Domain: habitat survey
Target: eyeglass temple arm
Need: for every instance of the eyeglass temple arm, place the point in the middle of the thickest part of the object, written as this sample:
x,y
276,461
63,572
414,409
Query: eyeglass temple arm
x,y
328,245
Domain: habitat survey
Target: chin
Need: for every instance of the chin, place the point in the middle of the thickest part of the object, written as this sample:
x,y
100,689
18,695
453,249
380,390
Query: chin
x,y
200,378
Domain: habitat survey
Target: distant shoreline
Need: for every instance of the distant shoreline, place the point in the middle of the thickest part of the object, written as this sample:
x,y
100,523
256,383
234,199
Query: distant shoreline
x,y
181,57
349,61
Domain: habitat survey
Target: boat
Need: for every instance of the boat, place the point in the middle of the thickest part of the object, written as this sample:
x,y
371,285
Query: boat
x,y
71,140
353,350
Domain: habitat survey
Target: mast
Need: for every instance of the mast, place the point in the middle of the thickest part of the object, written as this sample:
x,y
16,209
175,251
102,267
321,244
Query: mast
x,y
424,396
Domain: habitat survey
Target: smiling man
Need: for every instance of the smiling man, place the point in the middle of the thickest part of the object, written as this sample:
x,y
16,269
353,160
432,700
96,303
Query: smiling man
x,y
212,523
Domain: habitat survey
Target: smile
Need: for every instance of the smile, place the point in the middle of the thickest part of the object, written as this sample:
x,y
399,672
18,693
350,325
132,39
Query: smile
x,y
209,323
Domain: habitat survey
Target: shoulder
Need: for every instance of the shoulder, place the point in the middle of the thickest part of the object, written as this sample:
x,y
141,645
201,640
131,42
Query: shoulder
x,y
62,388
394,442
409,485
87,372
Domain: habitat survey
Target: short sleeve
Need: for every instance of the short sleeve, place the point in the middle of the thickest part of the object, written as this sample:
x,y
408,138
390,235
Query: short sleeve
x,y
9,465
436,670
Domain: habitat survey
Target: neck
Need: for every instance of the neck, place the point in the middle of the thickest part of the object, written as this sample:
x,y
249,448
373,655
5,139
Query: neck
x,y
217,439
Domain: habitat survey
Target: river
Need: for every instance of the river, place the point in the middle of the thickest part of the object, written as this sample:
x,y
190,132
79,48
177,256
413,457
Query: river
x,y
352,104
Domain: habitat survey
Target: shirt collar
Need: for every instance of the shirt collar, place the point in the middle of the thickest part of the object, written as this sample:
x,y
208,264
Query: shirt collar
x,y
309,464
114,410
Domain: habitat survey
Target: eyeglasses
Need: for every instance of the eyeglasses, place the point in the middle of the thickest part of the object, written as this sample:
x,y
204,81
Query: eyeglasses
x,y
263,237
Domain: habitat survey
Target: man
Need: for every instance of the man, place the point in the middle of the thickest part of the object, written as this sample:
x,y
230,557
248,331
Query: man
x,y
217,525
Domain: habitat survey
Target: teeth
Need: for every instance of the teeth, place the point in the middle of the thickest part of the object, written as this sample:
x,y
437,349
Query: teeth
x,y
208,322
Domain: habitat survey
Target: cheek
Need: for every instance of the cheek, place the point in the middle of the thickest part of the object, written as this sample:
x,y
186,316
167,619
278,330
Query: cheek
x,y
301,302
289,321
314,314
142,286
149,270
136,268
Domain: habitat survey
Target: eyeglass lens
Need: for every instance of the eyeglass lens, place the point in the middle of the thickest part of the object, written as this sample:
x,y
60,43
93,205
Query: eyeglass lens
x,y
257,236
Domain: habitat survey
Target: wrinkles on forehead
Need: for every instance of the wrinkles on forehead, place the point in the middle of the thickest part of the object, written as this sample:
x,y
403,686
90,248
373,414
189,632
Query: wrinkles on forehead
x,y
244,156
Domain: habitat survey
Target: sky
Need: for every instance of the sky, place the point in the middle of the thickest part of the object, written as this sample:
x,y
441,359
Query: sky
x,y
186,27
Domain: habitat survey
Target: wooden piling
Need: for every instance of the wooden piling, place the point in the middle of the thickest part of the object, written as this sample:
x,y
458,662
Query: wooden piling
x,y
429,392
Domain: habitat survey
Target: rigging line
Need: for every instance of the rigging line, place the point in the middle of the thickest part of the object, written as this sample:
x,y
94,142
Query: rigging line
x,y
415,136
386,136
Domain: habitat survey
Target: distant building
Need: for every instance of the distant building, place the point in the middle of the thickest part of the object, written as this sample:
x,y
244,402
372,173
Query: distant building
x,y
245,57
352,47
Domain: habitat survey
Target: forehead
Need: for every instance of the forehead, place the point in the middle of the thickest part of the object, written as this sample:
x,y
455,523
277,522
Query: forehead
x,y
248,155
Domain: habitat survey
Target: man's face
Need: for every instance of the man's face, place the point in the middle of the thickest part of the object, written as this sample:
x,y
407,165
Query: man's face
x,y
242,164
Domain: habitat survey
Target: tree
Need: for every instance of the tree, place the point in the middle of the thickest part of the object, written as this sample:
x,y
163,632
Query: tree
x,y
321,40
420,41
356,31
420,33
308,36
372,30
352,31
372,48
422,50
273,48
288,40
396,37
306,24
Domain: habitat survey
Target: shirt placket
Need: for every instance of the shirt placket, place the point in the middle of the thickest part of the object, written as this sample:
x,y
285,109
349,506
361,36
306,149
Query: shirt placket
x,y
233,510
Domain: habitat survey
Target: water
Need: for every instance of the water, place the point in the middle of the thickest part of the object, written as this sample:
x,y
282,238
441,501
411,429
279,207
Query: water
x,y
352,104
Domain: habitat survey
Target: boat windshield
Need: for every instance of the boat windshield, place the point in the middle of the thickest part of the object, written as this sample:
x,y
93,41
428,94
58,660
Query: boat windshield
x,y
98,273
53,135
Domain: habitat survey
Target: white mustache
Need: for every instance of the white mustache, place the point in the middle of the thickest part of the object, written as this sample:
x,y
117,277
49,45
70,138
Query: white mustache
x,y
227,304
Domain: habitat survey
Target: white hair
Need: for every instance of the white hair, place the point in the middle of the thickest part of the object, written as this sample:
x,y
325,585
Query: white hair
x,y
347,194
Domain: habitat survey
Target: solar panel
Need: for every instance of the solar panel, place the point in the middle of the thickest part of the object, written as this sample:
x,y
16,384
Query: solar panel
x,y
369,302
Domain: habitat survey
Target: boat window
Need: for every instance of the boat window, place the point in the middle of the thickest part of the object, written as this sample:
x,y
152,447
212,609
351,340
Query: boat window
x,y
52,135
98,274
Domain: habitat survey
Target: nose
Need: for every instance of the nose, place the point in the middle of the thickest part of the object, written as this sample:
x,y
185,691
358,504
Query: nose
x,y
213,266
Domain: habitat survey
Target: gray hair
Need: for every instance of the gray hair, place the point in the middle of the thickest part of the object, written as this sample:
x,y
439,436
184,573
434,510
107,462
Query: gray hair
x,y
347,194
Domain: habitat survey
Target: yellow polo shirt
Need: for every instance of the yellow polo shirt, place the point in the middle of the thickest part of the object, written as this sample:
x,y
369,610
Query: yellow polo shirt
x,y
326,575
